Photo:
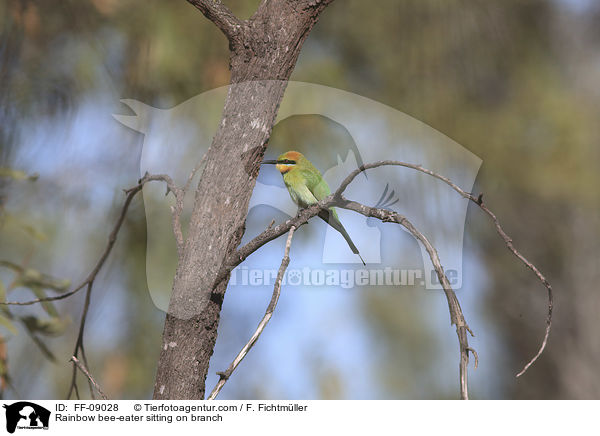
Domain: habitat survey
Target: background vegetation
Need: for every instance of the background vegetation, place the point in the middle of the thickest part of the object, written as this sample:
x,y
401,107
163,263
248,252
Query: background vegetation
x,y
514,81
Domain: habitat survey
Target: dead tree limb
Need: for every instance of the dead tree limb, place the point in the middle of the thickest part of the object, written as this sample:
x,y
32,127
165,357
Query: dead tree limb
x,y
456,315
478,200
88,283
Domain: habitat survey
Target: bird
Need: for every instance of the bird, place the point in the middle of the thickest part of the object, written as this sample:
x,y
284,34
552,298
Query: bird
x,y
307,186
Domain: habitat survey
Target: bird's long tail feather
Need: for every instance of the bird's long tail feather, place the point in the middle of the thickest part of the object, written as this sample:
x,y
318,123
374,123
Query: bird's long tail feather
x,y
330,219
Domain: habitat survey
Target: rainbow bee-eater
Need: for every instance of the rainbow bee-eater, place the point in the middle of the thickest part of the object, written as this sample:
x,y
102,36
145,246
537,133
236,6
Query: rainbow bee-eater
x,y
307,186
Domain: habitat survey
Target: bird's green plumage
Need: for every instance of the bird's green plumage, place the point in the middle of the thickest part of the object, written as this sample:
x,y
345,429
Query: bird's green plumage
x,y
307,186
305,183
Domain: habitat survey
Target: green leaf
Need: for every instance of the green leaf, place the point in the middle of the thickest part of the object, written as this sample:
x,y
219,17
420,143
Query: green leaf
x,y
27,228
54,326
31,278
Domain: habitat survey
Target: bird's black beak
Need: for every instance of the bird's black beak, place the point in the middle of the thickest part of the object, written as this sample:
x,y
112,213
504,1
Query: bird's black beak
x,y
271,162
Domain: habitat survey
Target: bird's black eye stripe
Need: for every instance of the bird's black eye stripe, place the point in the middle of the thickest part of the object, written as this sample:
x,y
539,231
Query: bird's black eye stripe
x,y
286,162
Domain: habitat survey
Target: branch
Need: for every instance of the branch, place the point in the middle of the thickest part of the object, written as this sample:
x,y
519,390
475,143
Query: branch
x,y
177,210
270,233
456,315
79,345
507,240
224,376
88,282
274,232
539,275
112,237
193,174
89,376
222,17
179,194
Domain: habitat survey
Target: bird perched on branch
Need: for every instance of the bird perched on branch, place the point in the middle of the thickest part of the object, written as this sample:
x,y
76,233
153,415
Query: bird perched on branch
x,y
307,187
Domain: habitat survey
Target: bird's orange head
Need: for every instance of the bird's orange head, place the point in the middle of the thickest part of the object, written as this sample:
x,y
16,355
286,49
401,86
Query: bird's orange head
x,y
286,161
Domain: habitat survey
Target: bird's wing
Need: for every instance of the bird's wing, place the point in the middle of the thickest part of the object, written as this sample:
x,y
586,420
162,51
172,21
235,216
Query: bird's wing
x,y
320,189
304,195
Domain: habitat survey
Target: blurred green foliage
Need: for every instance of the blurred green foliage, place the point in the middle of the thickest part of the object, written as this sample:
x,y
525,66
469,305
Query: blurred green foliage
x,y
21,277
514,81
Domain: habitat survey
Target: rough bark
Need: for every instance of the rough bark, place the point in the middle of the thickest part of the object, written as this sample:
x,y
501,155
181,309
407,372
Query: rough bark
x,y
264,51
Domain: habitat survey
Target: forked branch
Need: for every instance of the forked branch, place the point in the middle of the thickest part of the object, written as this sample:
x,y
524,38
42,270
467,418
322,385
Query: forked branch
x,y
112,237
222,17
507,240
238,256
456,315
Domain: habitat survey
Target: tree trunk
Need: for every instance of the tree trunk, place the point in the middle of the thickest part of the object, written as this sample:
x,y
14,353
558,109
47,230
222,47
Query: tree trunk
x,y
264,51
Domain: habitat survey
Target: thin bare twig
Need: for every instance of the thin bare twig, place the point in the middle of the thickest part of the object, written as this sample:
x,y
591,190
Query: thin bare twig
x,y
131,192
456,315
89,376
79,344
337,199
177,210
179,195
475,355
224,376
88,282
193,174
77,392
509,244
478,200
271,224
